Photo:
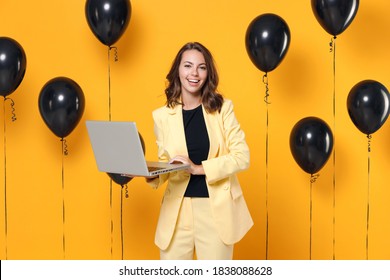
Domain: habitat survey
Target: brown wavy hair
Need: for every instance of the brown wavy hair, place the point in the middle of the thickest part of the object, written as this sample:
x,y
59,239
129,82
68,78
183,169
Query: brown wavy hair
x,y
211,99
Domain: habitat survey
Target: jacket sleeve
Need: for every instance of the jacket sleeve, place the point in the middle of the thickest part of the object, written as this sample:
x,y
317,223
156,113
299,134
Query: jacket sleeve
x,y
235,155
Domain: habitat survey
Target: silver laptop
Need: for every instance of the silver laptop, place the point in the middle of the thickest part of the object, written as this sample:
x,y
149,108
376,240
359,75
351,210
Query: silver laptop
x,y
117,149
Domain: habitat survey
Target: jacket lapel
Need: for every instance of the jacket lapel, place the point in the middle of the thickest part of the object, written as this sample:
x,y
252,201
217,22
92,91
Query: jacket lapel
x,y
176,123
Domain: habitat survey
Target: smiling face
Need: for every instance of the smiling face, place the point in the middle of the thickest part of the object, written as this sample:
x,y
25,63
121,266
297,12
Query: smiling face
x,y
192,72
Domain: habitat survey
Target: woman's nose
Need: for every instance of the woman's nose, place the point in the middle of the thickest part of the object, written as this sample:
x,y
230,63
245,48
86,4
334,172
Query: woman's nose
x,y
194,71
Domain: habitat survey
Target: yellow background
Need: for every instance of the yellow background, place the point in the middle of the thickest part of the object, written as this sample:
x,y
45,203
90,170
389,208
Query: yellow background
x,y
58,42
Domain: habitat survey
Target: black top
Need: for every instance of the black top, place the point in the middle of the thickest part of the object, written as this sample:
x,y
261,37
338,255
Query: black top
x,y
198,145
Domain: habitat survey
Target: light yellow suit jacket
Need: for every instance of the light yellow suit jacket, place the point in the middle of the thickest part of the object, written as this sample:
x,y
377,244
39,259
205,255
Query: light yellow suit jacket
x,y
228,154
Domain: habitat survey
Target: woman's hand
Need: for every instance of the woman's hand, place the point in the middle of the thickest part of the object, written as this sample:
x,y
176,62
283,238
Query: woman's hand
x,y
194,169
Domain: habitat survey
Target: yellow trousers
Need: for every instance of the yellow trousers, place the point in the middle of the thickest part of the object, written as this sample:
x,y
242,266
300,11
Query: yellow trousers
x,y
196,235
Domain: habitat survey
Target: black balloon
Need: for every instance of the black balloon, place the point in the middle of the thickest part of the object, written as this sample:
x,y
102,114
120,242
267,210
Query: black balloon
x,y
108,19
335,15
12,65
119,179
267,40
61,104
123,180
311,143
368,105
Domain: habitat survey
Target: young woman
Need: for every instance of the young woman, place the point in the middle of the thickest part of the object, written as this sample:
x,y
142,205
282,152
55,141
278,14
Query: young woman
x,y
203,212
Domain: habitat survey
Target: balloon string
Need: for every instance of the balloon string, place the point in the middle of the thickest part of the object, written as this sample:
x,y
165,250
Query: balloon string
x,y
122,220
126,188
368,190
109,118
64,147
311,216
313,179
63,197
13,115
13,118
109,77
5,186
265,81
112,222
333,49
116,58
126,191
109,85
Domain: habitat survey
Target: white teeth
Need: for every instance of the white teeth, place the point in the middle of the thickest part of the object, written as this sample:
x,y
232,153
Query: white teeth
x,y
193,81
